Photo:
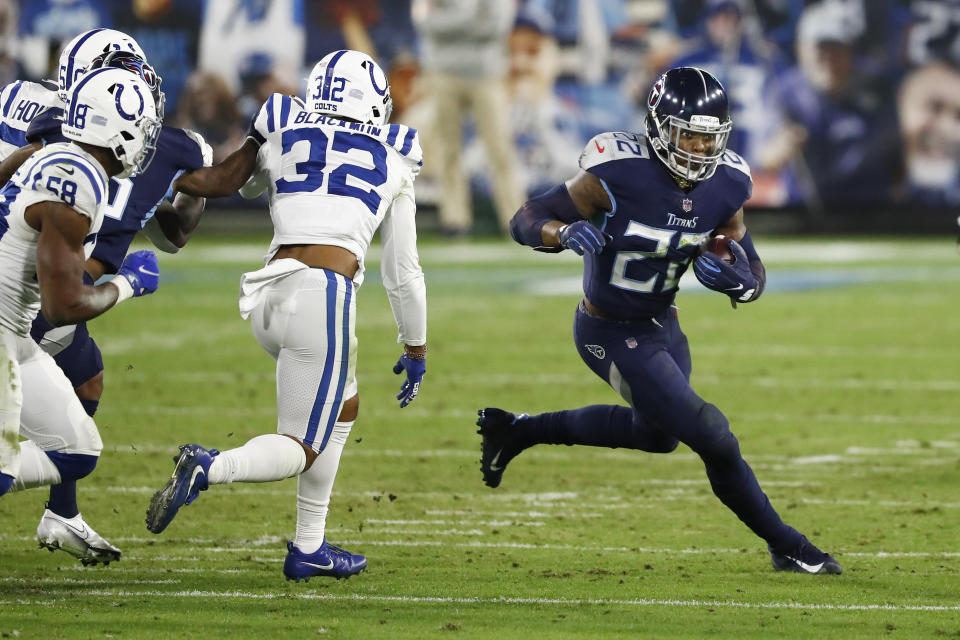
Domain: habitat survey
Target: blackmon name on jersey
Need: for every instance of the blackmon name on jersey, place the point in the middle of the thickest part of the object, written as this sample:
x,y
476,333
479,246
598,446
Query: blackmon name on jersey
x,y
61,172
656,226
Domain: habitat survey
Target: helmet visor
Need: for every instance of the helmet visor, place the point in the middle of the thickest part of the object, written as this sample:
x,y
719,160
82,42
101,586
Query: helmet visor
x,y
697,145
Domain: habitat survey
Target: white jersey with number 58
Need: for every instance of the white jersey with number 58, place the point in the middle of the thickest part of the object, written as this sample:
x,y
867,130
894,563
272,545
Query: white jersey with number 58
x,y
334,182
60,172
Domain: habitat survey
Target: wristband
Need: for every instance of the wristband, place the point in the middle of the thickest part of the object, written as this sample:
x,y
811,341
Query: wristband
x,y
123,287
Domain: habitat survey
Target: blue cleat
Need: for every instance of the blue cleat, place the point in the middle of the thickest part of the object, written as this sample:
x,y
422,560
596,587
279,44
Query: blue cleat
x,y
188,480
328,560
804,558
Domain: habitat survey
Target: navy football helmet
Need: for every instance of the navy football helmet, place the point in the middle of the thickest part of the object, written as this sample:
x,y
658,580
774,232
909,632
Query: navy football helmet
x,y
135,64
688,122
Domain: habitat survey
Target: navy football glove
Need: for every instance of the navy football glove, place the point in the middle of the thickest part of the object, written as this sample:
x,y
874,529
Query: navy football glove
x,y
141,271
415,368
582,237
736,280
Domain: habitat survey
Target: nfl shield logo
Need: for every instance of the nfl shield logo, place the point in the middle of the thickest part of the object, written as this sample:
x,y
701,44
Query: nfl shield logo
x,y
687,204
631,343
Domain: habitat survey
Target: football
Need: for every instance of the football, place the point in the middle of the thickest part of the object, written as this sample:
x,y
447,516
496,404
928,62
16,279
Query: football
x,y
720,245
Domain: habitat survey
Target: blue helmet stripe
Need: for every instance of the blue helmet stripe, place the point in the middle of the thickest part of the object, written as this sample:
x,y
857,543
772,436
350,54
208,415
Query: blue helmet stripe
x,y
328,76
68,78
73,103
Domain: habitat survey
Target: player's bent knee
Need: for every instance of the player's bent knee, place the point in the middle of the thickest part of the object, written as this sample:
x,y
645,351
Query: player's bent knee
x,y
718,444
73,466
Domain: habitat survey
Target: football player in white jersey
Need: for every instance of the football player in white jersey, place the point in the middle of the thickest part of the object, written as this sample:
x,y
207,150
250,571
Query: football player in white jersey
x,y
22,100
51,211
335,172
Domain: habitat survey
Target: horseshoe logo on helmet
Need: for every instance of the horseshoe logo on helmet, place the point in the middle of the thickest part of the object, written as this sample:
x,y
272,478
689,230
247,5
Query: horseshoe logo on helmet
x,y
123,114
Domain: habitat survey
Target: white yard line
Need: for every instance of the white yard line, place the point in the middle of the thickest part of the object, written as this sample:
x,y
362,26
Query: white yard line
x,y
561,602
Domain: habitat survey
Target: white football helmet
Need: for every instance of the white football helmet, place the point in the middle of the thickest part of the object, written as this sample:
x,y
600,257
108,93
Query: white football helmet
x,y
76,57
114,109
349,84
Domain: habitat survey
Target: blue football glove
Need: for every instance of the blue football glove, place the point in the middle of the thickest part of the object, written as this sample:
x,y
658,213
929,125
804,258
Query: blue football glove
x,y
736,280
415,369
582,237
141,271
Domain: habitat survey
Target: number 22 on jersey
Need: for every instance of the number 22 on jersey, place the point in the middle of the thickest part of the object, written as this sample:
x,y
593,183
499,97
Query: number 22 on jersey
x,y
312,161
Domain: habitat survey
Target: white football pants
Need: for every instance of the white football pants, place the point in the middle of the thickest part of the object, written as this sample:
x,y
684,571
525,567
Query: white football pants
x,y
307,321
38,402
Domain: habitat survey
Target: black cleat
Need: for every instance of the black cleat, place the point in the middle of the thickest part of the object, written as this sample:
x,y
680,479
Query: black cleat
x,y
805,558
497,448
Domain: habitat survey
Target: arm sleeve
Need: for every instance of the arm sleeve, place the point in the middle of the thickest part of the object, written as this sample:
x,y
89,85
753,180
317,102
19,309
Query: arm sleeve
x,y
555,204
756,266
401,272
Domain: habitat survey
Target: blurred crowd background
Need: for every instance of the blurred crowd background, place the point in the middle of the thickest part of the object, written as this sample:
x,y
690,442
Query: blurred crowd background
x,y
841,107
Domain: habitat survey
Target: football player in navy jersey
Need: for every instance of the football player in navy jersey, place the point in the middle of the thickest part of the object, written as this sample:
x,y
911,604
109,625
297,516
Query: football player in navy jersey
x,y
639,211
134,203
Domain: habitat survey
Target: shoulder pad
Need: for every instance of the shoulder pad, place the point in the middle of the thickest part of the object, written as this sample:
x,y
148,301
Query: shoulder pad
x,y
70,177
406,140
277,109
732,159
613,145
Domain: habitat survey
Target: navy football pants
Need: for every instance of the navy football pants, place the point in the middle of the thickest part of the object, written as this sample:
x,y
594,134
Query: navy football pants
x,y
649,364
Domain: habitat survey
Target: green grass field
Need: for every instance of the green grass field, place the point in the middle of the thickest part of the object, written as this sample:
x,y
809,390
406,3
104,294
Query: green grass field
x,y
841,384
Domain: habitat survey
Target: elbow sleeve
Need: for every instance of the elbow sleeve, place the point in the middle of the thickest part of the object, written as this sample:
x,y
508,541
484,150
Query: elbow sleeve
x,y
528,221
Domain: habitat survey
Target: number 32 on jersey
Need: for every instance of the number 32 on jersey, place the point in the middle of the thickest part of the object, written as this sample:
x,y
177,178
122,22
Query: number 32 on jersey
x,y
341,164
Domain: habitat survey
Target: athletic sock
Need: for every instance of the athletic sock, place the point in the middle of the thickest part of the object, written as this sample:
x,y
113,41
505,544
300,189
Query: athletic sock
x,y
314,487
264,458
36,468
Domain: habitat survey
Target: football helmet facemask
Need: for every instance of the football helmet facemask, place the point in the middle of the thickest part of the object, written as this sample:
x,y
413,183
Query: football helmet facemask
x,y
135,64
76,57
114,109
688,104
349,84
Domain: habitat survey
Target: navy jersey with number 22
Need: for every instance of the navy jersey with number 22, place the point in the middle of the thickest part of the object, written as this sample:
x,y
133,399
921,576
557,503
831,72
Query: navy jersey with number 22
x,y
656,226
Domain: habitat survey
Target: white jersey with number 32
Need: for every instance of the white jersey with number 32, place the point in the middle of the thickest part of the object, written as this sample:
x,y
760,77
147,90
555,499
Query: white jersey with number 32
x,y
333,182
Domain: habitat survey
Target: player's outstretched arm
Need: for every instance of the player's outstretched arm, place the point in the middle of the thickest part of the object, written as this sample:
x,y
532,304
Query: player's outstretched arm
x,y
171,225
222,179
64,298
557,219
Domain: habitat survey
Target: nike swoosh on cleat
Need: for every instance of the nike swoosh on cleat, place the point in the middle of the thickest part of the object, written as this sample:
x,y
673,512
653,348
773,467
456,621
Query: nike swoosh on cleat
x,y
736,288
152,273
319,566
197,471
493,463
811,568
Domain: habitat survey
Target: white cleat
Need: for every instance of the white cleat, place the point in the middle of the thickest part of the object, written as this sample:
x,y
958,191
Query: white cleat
x,y
76,537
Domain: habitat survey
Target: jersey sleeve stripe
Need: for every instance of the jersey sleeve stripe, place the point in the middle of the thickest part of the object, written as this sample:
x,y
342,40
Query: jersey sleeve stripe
x,y
80,163
12,136
408,140
284,110
270,126
392,136
328,76
14,90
